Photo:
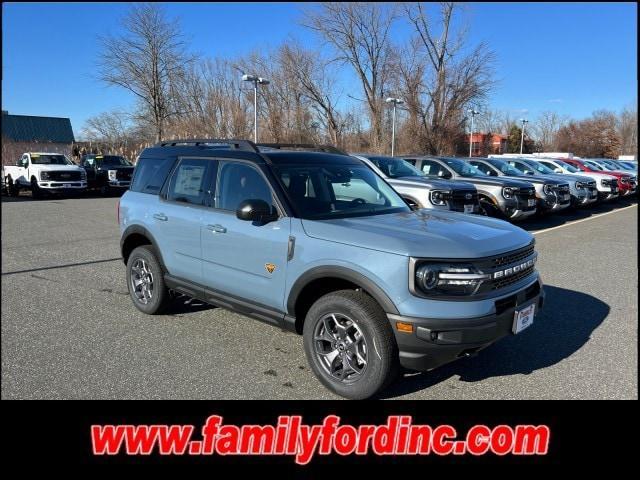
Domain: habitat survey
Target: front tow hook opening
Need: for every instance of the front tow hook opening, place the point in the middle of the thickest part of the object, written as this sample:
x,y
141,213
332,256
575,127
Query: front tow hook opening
x,y
469,352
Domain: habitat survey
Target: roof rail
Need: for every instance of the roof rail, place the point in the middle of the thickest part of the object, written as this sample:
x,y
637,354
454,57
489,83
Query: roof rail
x,y
303,146
246,145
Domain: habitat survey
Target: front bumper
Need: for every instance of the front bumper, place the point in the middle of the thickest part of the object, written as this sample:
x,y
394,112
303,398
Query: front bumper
x,y
119,183
551,203
56,185
434,342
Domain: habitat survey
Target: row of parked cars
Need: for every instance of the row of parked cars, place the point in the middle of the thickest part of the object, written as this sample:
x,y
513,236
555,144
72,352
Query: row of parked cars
x,y
505,187
380,263
50,173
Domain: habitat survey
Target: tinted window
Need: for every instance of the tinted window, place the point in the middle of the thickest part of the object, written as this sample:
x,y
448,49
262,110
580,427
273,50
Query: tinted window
x,y
482,167
433,168
49,159
113,160
150,174
322,192
395,168
238,182
188,181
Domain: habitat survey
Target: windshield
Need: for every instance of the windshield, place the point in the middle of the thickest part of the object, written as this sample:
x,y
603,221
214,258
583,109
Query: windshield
x,y
323,192
113,160
540,168
593,165
504,167
463,168
629,165
568,167
50,159
395,167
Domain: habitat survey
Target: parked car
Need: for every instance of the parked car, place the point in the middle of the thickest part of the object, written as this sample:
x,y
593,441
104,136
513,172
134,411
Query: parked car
x,y
631,166
552,195
603,189
626,185
107,173
282,237
504,198
44,173
579,185
420,190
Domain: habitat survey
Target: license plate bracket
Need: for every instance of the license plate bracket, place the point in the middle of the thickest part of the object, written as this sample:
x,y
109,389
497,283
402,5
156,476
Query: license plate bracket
x,y
523,318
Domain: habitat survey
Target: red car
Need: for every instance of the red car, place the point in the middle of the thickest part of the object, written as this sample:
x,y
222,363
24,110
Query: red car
x,y
626,183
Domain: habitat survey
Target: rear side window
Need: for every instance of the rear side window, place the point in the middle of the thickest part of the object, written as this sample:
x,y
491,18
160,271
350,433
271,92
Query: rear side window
x,y
150,174
189,181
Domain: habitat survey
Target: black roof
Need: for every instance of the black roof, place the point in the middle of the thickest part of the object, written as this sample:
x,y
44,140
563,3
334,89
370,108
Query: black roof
x,y
277,157
26,128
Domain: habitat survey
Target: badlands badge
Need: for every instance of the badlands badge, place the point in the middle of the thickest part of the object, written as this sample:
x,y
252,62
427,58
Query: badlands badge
x,y
270,267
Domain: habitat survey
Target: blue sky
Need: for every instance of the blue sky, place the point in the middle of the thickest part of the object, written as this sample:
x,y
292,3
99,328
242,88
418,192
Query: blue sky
x,y
572,58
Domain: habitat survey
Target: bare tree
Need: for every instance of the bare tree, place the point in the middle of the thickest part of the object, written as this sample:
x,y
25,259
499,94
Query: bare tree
x,y
627,126
359,33
596,136
148,60
452,78
545,130
312,77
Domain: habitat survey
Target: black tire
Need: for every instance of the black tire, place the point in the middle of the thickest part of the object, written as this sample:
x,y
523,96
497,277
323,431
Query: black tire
x,y
490,210
382,363
12,188
159,296
36,191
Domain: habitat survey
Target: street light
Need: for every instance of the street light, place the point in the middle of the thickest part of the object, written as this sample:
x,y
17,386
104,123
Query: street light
x,y
473,113
524,122
256,80
395,102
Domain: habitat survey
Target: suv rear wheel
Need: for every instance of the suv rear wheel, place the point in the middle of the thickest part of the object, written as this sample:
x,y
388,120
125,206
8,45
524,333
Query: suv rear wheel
x,y
145,281
350,345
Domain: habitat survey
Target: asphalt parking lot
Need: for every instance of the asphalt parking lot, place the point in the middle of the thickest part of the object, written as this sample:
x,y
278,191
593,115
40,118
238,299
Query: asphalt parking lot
x,y
69,329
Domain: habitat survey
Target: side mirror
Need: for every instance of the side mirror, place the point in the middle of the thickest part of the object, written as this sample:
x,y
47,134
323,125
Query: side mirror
x,y
557,170
255,210
444,174
529,172
493,173
24,163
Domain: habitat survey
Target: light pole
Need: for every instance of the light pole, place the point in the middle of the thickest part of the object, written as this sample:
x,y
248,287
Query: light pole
x,y
256,80
473,114
524,122
395,102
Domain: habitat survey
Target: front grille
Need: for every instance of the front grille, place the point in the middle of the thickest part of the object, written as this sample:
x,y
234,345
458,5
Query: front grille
x,y
458,199
523,195
513,257
511,279
562,189
124,174
64,176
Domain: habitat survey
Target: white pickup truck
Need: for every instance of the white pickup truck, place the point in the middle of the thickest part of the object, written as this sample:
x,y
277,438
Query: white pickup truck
x,y
44,173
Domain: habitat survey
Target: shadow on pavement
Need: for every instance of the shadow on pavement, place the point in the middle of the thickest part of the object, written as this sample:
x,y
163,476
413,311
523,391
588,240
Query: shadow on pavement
x,y
561,329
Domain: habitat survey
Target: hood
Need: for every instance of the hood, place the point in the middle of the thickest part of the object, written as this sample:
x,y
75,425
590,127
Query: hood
x,y
593,176
536,180
423,233
565,177
431,183
496,181
116,167
58,168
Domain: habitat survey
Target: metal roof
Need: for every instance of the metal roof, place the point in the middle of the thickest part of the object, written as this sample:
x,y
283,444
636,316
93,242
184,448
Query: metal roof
x,y
25,128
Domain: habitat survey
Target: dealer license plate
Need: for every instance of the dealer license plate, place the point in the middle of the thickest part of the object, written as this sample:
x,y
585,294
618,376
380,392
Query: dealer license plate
x,y
531,202
523,318
468,209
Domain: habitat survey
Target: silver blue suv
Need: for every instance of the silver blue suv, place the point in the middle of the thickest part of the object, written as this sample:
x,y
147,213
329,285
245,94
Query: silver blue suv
x,y
319,244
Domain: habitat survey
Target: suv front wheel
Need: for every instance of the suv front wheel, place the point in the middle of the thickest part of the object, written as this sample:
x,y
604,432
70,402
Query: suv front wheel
x,y
349,344
145,281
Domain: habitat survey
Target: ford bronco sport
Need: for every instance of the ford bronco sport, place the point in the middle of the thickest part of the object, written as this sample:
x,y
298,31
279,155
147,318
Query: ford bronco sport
x,y
318,244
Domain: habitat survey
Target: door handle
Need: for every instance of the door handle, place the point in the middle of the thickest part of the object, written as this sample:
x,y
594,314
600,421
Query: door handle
x,y
217,228
160,216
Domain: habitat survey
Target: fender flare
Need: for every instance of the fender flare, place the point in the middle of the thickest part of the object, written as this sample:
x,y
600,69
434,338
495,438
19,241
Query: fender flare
x,y
140,230
343,273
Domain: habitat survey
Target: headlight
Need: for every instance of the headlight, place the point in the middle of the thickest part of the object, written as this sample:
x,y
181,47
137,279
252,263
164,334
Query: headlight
x,y
508,192
443,279
438,197
112,174
581,185
548,189
44,176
